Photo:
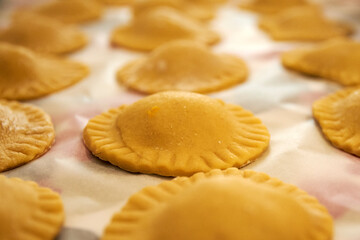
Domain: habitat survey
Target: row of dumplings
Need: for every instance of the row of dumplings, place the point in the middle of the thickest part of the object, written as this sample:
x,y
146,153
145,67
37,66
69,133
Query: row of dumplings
x,y
167,134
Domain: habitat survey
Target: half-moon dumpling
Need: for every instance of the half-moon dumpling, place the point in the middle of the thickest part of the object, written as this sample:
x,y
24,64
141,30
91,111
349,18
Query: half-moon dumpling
x,y
176,133
160,25
337,60
270,6
26,75
302,24
230,204
339,116
43,34
71,11
183,65
26,133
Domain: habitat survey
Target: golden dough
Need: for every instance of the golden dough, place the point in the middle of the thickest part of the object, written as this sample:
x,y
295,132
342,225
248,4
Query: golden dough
x,y
158,26
183,65
72,11
230,204
43,34
270,6
26,133
339,116
195,9
117,2
176,133
302,24
27,75
343,67
28,211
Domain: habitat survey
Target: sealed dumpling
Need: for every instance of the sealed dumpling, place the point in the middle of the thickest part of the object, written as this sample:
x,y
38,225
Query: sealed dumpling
x,y
302,24
230,204
270,6
28,211
26,75
26,134
183,65
176,133
338,116
336,60
195,9
71,11
160,25
43,34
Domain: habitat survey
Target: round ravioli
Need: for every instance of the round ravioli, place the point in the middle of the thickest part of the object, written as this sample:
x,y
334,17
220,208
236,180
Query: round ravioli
x,y
270,6
72,11
27,75
343,67
195,9
28,211
339,116
43,34
26,133
183,65
176,133
160,25
306,23
230,204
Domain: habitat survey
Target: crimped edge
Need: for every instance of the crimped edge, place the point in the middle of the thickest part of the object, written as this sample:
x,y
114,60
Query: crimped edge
x,y
102,139
42,146
327,115
46,221
139,205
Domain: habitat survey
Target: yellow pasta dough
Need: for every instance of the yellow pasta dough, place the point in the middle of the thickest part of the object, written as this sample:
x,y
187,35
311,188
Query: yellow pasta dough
x,y
43,34
183,65
158,26
230,204
27,75
176,133
336,60
118,2
270,6
28,211
72,11
302,24
26,133
195,9
339,116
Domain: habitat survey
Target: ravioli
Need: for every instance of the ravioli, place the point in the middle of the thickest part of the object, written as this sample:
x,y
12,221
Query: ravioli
x,y
158,26
176,133
118,2
230,204
28,211
343,67
270,6
195,9
28,75
43,34
338,116
26,133
183,65
302,24
72,11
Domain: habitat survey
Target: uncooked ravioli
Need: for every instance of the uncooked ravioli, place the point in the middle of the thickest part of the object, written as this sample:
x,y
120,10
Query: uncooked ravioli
x,y
183,65
336,60
43,34
71,11
230,204
306,23
28,211
270,6
26,132
25,74
158,26
176,133
339,116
